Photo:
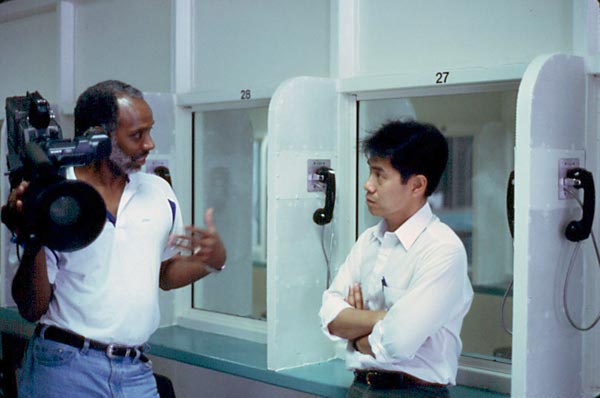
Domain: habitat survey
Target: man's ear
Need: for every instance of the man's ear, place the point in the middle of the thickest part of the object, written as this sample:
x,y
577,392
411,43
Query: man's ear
x,y
418,184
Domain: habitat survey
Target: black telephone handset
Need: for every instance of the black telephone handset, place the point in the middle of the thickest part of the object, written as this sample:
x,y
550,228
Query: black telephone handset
x,y
510,203
324,215
582,179
510,217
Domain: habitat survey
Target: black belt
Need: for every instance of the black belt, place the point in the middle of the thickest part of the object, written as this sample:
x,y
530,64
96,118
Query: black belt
x,y
387,379
75,340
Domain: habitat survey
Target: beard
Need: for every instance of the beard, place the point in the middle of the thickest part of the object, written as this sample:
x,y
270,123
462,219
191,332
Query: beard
x,y
125,163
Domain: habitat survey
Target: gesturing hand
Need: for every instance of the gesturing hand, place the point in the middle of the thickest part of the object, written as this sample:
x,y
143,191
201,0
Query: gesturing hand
x,y
204,243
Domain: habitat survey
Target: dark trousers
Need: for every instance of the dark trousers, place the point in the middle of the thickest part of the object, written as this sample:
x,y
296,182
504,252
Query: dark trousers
x,y
164,386
362,390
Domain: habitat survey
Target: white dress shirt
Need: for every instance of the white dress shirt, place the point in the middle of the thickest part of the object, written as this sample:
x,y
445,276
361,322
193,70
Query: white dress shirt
x,y
417,273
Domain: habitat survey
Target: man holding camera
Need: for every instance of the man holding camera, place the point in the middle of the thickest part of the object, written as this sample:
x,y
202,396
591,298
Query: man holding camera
x,y
97,306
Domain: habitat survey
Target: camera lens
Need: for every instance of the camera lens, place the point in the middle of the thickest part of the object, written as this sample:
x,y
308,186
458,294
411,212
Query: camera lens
x,y
64,211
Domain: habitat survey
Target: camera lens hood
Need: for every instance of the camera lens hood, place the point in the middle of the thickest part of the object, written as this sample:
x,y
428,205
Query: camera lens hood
x,y
67,215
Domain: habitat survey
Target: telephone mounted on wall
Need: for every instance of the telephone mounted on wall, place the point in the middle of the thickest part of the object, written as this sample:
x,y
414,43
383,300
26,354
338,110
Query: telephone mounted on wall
x,y
324,215
575,231
510,217
578,230
510,203
578,178
581,179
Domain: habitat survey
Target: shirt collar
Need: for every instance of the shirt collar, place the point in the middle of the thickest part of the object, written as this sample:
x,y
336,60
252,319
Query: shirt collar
x,y
408,232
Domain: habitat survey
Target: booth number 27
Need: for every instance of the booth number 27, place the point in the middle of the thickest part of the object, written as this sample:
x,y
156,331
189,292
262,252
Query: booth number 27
x,y
441,77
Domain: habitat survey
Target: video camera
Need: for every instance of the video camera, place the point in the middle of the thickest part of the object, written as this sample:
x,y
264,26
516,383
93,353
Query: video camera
x,y
64,215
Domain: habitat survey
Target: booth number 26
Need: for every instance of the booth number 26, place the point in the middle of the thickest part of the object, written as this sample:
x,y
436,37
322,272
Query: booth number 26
x,y
245,94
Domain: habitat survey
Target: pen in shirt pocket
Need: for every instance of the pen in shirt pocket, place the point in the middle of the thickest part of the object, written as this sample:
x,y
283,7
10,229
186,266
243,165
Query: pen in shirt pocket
x,y
383,283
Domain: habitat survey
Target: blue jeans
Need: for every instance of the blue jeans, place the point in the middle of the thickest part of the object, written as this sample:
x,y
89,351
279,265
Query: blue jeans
x,y
56,370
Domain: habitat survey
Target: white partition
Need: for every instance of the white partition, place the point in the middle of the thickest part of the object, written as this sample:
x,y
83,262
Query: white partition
x,y
126,40
442,36
248,45
551,115
28,55
303,125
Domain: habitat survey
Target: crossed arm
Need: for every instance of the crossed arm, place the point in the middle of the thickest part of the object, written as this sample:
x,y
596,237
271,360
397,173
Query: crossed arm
x,y
356,324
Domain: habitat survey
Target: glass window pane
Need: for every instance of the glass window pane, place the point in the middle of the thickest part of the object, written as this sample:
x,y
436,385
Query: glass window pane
x,y
471,197
229,176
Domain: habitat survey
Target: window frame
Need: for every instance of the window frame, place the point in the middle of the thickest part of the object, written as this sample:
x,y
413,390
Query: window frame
x,y
184,313
473,370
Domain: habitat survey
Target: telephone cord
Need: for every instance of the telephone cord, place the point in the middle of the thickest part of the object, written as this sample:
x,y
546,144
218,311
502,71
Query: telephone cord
x,y
326,255
506,329
570,268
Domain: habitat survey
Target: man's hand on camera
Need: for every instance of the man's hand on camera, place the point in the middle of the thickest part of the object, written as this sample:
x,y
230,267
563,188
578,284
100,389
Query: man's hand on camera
x,y
13,210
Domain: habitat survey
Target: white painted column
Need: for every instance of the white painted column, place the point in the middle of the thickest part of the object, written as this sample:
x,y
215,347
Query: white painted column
x,y
343,57
183,32
551,109
66,55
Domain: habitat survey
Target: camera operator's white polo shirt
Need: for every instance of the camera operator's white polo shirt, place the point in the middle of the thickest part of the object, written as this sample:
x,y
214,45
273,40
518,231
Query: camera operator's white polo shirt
x,y
108,291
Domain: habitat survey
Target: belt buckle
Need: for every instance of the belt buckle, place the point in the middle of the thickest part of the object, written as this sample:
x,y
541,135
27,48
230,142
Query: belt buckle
x,y
109,351
368,377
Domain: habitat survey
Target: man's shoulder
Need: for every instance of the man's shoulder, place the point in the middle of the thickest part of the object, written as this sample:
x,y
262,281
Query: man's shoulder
x,y
443,234
154,181
441,242
148,178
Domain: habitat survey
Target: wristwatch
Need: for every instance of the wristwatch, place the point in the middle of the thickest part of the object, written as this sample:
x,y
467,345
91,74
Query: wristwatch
x,y
213,270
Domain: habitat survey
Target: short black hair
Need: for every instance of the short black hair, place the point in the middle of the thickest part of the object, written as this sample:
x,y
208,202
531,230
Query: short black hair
x,y
98,106
412,147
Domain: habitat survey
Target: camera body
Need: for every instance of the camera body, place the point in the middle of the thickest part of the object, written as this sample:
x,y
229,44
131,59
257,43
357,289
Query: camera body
x,y
36,148
58,213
